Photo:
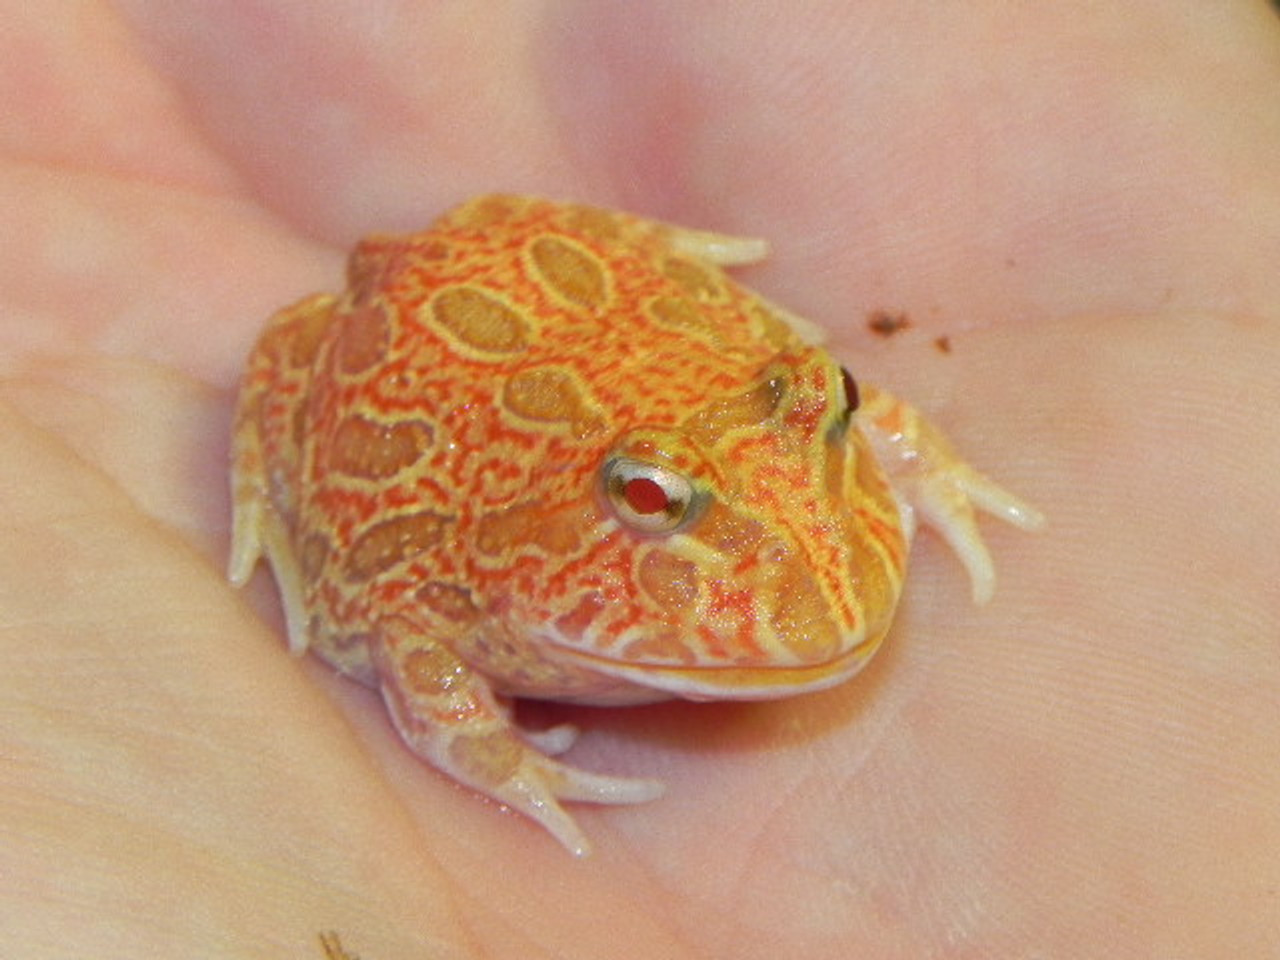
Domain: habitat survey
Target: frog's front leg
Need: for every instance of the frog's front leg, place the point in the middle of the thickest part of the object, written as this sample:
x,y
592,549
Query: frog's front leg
x,y
930,479
449,716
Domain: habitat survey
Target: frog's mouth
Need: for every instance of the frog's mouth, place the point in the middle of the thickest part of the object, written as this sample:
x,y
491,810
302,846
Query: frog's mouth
x,y
728,681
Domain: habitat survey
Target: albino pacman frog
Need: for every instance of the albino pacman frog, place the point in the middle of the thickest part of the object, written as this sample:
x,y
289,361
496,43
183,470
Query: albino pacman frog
x,y
546,450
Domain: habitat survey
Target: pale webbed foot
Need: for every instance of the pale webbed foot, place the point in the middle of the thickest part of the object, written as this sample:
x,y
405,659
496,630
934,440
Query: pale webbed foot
x,y
446,714
938,488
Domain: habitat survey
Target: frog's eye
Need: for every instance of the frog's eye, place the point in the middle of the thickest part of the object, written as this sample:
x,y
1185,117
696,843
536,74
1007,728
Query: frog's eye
x,y
850,391
647,497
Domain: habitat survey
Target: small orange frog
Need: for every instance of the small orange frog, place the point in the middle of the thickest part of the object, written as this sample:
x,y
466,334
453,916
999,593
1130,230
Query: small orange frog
x,y
553,451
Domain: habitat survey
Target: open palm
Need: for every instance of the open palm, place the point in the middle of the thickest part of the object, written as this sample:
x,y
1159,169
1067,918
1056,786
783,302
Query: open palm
x,y
1078,215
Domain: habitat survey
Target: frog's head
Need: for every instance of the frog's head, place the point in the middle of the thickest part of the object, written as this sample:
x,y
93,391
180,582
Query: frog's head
x,y
750,550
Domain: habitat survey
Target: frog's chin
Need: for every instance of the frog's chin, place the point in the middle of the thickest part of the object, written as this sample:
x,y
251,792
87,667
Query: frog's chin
x,y
646,682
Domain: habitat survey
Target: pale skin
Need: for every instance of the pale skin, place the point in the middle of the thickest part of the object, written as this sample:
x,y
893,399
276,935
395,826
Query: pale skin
x,y
1086,206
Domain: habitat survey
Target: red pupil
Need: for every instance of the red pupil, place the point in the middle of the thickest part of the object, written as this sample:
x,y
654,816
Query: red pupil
x,y
644,495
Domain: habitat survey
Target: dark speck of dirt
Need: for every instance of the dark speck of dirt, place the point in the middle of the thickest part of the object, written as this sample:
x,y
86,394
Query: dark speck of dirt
x,y
885,324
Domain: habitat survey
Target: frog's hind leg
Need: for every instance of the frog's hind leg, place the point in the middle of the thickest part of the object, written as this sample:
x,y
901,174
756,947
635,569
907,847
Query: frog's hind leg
x,y
931,480
447,715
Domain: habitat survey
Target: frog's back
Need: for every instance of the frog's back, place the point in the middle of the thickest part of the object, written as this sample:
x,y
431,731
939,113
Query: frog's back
x,y
418,413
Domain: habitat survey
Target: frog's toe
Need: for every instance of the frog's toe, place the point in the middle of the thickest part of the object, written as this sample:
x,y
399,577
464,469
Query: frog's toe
x,y
540,783
570,783
945,499
945,508
554,740
989,497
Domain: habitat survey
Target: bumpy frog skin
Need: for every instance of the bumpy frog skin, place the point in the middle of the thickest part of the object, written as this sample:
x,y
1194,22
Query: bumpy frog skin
x,y
552,451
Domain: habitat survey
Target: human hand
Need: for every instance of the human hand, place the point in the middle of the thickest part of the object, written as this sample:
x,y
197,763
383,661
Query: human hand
x,y
1083,203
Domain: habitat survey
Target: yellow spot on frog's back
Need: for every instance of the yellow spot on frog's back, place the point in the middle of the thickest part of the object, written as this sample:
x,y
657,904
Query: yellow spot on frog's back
x,y
569,271
550,395
373,450
526,525
389,543
480,320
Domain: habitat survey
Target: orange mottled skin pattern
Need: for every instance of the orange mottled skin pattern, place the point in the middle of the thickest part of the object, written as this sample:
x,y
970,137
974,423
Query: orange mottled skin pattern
x,y
548,450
